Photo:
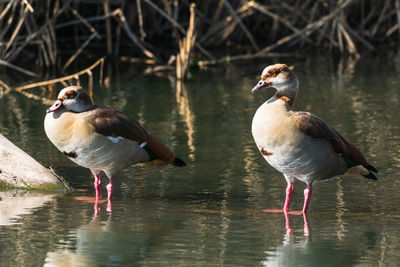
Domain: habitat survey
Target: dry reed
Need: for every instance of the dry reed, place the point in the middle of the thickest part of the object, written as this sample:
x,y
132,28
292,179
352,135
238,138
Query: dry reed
x,y
56,33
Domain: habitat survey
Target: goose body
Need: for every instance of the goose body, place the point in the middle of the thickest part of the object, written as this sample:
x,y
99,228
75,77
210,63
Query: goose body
x,y
289,150
300,145
101,138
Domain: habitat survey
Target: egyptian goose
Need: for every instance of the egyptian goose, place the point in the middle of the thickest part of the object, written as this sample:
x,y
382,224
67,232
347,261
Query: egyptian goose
x,y
299,144
101,138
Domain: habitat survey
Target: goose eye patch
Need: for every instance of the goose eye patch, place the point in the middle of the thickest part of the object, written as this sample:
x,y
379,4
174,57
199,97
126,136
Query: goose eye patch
x,y
71,94
274,73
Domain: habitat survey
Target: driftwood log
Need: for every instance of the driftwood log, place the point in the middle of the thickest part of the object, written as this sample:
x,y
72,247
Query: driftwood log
x,y
19,170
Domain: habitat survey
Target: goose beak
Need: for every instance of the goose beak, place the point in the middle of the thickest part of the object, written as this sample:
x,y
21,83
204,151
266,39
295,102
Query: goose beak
x,y
261,84
56,106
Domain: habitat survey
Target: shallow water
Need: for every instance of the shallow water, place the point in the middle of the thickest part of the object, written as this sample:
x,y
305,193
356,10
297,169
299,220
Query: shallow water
x,y
210,212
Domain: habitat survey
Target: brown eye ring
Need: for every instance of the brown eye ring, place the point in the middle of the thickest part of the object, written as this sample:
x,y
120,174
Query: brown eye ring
x,y
274,72
71,94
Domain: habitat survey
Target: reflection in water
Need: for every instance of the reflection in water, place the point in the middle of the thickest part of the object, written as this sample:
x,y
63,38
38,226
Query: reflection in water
x,y
289,227
210,213
283,255
17,111
107,241
86,240
15,204
340,210
97,204
346,69
322,248
186,114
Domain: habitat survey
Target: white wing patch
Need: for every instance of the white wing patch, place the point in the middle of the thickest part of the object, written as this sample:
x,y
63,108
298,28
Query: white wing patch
x,y
115,139
142,145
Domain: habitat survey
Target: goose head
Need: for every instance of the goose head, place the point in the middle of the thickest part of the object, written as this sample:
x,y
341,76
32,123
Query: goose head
x,y
280,77
72,98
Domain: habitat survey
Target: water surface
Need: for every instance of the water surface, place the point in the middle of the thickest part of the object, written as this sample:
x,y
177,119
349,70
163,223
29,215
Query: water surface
x,y
210,212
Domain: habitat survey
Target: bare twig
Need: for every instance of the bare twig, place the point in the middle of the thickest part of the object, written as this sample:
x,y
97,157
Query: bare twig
x,y
59,80
392,30
90,85
306,30
239,21
397,5
17,28
340,24
14,67
140,20
358,37
176,24
106,7
79,50
84,21
185,47
350,44
44,100
4,88
5,10
265,11
30,8
132,36
381,17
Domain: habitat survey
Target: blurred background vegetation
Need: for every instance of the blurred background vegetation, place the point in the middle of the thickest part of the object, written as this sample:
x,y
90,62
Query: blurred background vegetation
x,y
52,36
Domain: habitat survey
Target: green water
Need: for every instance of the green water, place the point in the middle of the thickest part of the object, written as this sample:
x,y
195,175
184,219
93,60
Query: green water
x,y
210,212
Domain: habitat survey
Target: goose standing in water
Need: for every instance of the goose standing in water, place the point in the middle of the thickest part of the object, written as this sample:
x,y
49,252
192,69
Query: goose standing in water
x,y
299,144
101,138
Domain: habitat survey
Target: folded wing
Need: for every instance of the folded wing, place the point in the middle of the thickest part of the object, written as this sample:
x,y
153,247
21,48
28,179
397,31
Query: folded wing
x,y
112,123
315,127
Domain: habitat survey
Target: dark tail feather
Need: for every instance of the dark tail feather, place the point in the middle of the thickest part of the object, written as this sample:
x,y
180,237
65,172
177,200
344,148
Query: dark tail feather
x,y
372,168
178,162
370,175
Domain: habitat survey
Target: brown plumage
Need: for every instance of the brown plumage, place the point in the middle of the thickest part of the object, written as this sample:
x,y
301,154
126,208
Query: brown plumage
x,y
101,138
317,128
110,122
300,145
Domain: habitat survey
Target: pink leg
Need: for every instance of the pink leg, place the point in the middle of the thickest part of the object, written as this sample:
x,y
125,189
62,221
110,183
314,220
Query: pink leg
x,y
289,193
97,185
307,197
110,188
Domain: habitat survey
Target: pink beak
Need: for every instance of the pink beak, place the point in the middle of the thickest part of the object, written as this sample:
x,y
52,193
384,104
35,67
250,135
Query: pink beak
x,y
56,106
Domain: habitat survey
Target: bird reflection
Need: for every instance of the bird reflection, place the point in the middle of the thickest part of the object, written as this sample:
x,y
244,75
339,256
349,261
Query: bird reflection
x,y
288,252
289,226
111,241
97,201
